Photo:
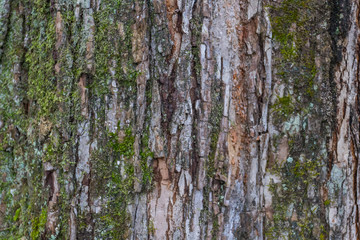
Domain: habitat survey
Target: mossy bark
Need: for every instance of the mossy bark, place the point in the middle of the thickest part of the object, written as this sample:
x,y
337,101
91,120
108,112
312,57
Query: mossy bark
x,y
129,119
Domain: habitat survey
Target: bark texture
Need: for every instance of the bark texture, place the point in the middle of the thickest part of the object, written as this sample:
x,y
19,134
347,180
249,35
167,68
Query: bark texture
x,y
179,119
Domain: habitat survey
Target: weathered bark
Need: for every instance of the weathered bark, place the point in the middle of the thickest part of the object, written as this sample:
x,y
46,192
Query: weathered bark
x,y
181,119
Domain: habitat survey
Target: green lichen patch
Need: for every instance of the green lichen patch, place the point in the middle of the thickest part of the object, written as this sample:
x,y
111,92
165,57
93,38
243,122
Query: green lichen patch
x,y
38,225
113,38
215,118
39,61
21,190
295,215
114,174
295,26
125,147
297,210
40,109
145,155
283,106
196,28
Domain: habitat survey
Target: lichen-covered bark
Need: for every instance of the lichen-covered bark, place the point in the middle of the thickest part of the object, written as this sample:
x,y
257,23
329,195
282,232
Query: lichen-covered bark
x,y
181,119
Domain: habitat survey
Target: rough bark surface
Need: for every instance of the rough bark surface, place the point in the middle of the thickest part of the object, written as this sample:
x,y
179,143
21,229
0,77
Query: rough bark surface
x,y
179,119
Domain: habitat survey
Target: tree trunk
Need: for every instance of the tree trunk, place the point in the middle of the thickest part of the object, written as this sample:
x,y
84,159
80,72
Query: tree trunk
x,y
187,119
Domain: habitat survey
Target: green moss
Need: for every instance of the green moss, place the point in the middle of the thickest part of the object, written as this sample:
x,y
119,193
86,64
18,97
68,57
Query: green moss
x,y
151,227
40,62
54,97
296,215
109,46
323,233
124,147
119,192
291,197
196,26
114,174
210,166
215,229
38,225
17,214
215,122
18,153
212,162
291,22
285,15
145,155
284,107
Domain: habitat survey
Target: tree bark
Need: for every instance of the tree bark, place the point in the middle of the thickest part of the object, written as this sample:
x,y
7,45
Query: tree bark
x,y
187,119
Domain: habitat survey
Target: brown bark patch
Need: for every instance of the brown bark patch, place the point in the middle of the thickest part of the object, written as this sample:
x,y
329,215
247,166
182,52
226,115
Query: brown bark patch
x,y
83,95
